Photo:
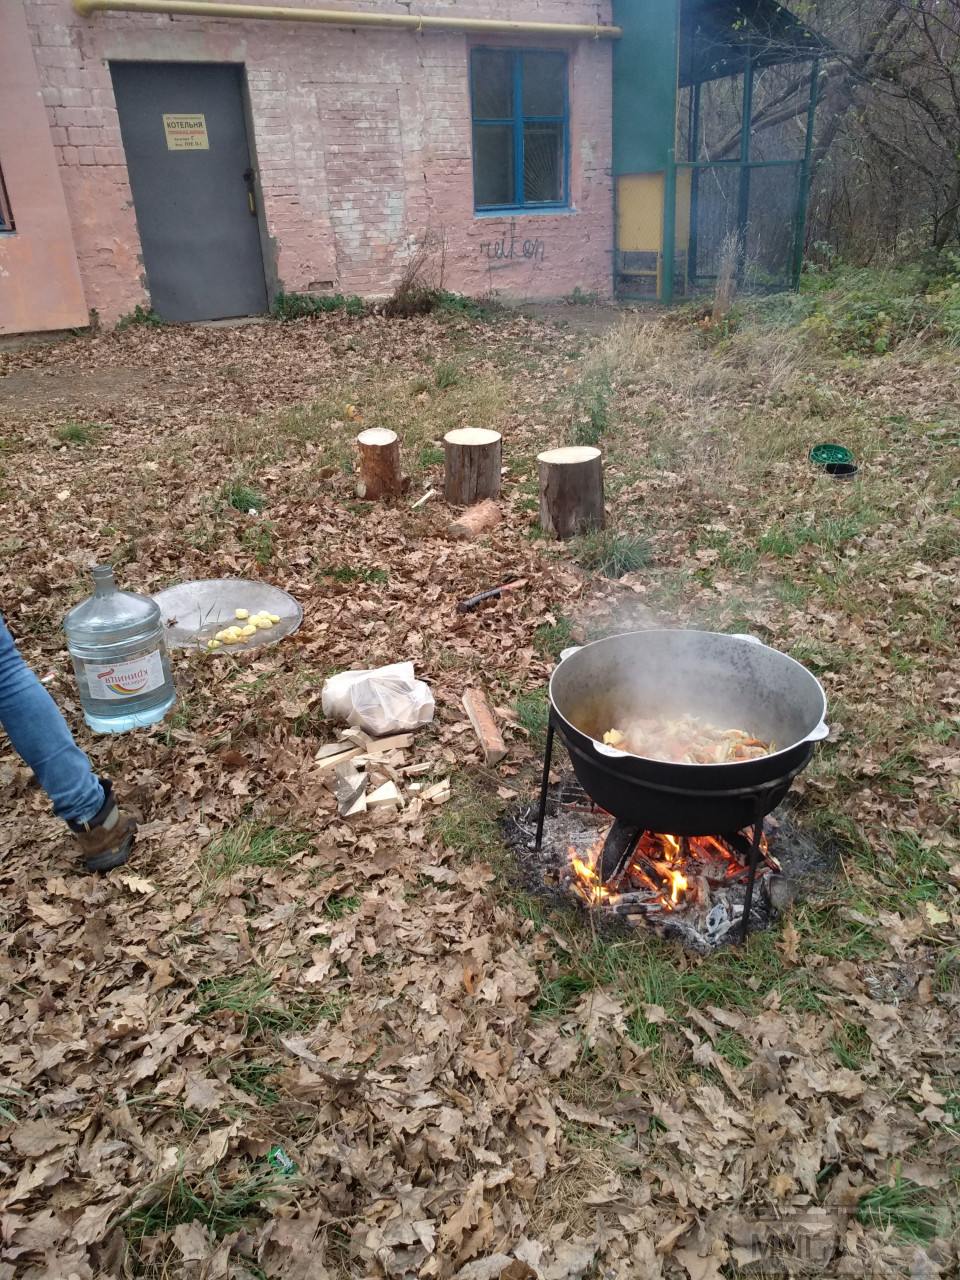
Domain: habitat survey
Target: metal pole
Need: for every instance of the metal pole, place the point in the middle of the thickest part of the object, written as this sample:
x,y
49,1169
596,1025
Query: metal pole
x,y
668,246
804,191
544,784
694,188
743,203
668,242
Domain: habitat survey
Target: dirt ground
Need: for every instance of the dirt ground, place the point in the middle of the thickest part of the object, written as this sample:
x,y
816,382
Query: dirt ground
x,y
464,1080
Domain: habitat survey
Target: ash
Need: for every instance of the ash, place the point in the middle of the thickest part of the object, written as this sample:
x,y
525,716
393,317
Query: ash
x,y
710,915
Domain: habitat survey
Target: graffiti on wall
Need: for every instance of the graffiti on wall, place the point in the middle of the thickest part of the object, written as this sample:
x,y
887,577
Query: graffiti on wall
x,y
511,248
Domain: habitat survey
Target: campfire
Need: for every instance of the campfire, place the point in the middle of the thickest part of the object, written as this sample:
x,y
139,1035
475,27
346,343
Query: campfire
x,y
679,732
701,878
689,888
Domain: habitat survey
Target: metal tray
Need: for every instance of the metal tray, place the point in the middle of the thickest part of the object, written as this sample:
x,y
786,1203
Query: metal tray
x,y
193,612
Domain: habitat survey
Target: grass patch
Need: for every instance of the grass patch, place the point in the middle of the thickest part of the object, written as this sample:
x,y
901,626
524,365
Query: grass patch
x,y
78,433
482,399
468,823
249,997
354,573
734,1048
430,456
851,1045
903,1207
250,844
609,553
533,711
591,407
559,994
299,306
222,1204
446,375
254,1079
784,541
551,638
258,540
340,905
242,496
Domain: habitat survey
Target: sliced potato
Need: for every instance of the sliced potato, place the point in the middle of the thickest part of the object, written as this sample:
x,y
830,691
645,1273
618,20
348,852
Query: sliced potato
x,y
241,613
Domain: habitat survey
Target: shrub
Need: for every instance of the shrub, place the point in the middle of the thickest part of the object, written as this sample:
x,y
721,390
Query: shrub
x,y
591,407
139,315
298,306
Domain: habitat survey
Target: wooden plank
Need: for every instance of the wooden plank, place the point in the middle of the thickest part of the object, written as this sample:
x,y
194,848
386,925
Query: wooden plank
x,y
484,726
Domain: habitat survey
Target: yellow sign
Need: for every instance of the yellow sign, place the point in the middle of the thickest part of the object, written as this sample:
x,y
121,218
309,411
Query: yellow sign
x,y
186,133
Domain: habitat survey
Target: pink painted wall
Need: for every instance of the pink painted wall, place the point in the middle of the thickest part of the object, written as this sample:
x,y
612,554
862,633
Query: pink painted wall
x,y
363,144
39,280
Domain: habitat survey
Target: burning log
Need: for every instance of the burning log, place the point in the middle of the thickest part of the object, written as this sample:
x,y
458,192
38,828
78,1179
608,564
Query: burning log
x,y
472,461
571,491
380,475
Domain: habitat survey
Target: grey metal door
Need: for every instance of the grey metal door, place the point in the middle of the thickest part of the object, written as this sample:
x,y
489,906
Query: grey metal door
x,y
188,158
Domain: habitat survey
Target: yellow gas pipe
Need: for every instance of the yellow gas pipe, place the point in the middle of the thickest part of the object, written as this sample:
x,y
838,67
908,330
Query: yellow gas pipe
x,y
345,17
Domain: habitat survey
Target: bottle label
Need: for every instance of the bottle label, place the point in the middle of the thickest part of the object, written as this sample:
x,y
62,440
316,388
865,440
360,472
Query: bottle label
x,y
116,681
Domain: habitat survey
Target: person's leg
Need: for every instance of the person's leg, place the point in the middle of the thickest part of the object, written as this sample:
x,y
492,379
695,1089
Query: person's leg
x,y
41,736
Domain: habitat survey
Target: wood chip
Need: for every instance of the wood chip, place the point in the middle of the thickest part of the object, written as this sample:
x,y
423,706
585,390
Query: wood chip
x,y
332,761
387,794
437,793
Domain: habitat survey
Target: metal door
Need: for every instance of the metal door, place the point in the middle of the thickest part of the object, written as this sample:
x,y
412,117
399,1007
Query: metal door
x,y
188,158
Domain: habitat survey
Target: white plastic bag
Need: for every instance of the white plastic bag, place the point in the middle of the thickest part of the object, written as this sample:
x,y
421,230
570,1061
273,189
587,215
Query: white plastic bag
x,y
385,700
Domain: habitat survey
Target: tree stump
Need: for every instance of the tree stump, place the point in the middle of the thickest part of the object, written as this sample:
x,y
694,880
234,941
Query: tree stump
x,y
472,457
571,490
380,475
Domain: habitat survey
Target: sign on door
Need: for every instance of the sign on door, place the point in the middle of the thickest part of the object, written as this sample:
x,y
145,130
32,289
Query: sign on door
x,y
186,133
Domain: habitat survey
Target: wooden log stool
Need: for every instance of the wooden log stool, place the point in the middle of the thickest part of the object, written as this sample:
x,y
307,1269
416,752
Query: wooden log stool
x,y
472,459
571,490
380,475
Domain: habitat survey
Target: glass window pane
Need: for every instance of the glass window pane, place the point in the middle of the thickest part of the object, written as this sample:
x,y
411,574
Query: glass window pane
x,y
493,164
544,78
542,163
492,73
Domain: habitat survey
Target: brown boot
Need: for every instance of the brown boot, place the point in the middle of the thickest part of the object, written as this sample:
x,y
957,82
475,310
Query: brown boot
x,y
107,838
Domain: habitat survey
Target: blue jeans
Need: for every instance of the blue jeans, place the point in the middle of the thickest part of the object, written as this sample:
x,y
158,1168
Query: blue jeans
x,y
41,736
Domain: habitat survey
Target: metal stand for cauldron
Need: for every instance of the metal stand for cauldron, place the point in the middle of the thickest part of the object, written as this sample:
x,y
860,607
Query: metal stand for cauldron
x,y
757,794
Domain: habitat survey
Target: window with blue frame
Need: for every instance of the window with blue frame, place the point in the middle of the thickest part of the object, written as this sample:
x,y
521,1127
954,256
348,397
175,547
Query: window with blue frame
x,y
520,128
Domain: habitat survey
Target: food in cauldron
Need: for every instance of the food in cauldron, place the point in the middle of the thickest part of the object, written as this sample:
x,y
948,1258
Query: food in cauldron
x,y
686,740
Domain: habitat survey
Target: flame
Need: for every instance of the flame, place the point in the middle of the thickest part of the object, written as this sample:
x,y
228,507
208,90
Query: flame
x,y
678,885
586,881
664,867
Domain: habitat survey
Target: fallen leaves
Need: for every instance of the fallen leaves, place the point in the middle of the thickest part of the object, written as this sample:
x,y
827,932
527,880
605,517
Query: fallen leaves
x,y
364,994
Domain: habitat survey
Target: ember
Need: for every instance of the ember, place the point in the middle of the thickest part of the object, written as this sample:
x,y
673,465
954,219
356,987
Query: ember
x,y
666,874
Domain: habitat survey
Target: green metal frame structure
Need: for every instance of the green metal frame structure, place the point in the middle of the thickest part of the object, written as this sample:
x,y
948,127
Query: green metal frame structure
x,y
669,45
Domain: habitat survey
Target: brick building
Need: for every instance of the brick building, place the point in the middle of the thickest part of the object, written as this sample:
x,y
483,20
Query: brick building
x,y
195,159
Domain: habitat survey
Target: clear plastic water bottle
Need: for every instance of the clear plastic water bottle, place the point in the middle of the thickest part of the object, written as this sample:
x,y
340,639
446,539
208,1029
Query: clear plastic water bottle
x,y
115,639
